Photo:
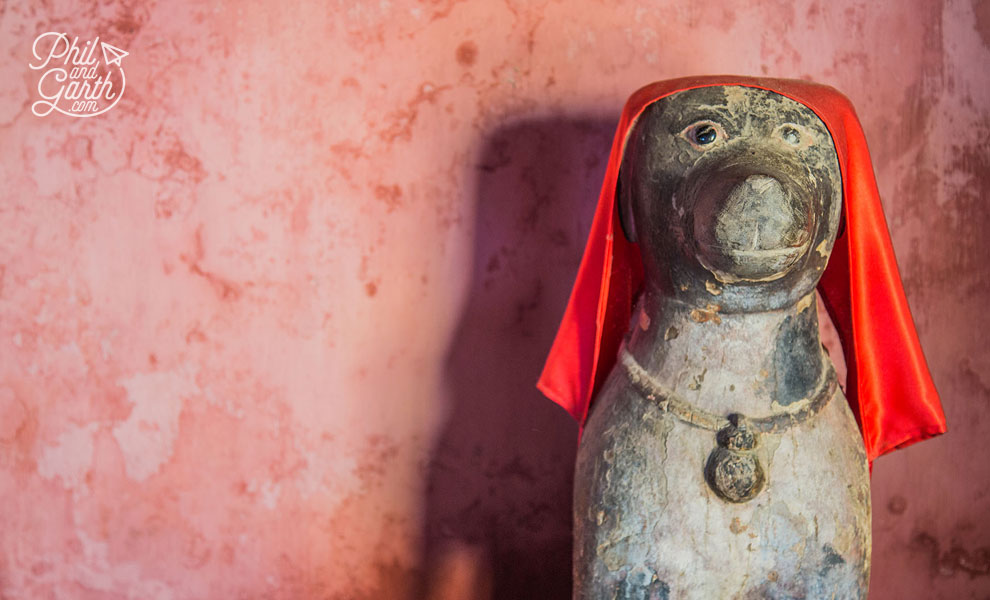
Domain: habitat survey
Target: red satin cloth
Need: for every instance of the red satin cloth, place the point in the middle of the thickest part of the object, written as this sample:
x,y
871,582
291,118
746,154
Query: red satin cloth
x,y
889,387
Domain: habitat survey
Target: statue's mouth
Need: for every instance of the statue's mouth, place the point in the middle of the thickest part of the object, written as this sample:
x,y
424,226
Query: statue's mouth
x,y
754,265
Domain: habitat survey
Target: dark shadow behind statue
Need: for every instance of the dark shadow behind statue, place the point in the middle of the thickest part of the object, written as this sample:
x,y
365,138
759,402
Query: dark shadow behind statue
x,y
500,477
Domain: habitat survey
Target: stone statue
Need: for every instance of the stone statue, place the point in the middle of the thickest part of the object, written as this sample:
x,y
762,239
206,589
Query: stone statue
x,y
720,459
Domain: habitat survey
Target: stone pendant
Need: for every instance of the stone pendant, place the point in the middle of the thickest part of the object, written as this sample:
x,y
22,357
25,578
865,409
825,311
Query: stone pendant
x,y
733,471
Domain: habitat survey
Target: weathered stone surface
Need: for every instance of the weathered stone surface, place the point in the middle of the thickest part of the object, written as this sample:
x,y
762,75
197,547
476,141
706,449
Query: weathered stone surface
x,y
734,197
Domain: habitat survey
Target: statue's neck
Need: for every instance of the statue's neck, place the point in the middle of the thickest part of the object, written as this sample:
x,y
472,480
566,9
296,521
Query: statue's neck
x,y
751,362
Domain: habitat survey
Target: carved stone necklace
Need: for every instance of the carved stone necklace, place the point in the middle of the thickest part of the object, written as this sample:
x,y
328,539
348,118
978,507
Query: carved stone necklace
x,y
733,470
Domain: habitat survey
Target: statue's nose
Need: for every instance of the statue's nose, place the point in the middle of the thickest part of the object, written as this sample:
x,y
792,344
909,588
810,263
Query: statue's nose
x,y
758,215
752,228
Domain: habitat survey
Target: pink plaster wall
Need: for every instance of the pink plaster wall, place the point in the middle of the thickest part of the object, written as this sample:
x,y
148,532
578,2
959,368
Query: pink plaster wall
x,y
269,328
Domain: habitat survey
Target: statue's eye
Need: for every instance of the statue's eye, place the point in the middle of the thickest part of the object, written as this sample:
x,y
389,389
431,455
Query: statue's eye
x,y
795,136
703,134
791,136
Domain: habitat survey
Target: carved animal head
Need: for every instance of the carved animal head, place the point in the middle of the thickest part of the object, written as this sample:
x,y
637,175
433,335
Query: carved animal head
x,y
731,190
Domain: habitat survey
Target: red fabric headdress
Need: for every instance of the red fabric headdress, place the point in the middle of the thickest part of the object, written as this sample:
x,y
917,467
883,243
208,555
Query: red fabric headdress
x,y
888,387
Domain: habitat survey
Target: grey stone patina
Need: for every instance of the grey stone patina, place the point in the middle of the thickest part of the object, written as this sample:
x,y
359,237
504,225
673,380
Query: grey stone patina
x,y
719,460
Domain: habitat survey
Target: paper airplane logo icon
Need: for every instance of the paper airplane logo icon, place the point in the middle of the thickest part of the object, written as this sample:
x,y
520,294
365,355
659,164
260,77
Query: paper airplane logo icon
x,y
112,54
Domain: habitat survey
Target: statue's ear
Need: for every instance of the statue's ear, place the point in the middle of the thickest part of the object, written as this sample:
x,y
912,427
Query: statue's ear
x,y
623,196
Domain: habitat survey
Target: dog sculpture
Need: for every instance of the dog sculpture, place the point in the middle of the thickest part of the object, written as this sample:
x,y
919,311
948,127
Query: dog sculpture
x,y
720,459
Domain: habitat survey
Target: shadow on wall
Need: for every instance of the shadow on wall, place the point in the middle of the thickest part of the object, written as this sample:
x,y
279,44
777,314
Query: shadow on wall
x,y
498,522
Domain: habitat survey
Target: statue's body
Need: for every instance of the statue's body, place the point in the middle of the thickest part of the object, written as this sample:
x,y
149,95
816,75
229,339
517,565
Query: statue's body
x,y
719,460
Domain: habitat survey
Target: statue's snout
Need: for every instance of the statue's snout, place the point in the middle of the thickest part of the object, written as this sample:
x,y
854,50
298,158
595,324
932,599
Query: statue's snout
x,y
751,227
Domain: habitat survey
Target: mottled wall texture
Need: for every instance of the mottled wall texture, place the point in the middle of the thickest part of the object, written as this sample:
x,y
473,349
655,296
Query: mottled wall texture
x,y
269,328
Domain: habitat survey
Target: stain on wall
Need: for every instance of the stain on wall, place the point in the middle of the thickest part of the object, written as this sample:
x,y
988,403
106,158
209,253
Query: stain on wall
x,y
269,328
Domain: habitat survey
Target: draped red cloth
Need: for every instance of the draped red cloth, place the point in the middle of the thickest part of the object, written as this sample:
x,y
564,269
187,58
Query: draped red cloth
x,y
889,387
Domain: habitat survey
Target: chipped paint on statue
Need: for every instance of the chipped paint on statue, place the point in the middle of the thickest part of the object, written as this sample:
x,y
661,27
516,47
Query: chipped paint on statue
x,y
720,459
